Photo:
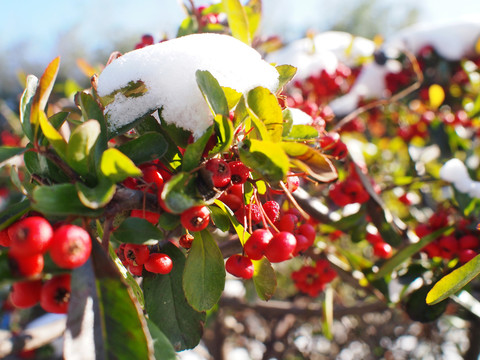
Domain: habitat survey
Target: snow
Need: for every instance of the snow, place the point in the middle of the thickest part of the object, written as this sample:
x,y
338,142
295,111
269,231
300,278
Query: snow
x,y
168,72
323,52
300,117
455,172
453,40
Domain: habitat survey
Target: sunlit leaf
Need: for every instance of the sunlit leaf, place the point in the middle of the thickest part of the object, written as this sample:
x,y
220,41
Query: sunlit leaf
x,y
265,157
243,235
254,15
454,282
204,274
53,136
79,153
237,20
264,278
302,132
264,106
286,72
315,163
116,166
26,104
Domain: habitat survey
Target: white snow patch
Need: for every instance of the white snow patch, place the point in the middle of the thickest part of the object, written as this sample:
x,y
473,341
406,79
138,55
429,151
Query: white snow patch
x,y
323,52
168,71
455,171
300,117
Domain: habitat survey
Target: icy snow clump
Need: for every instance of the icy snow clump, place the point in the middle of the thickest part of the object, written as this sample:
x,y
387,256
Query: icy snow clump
x,y
455,171
168,70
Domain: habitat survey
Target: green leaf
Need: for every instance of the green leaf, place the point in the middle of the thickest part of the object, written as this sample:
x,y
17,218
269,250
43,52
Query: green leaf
x,y
7,152
62,200
116,166
187,27
53,136
212,92
125,332
92,110
147,147
239,229
302,132
219,218
168,221
406,253
417,308
162,346
286,73
263,106
26,104
224,132
79,153
310,160
40,165
138,231
265,157
13,212
264,279
454,282
97,197
167,306
204,274
180,192
193,152
237,20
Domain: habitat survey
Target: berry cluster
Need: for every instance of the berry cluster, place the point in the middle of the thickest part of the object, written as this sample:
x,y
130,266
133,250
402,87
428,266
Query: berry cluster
x,y
136,257
381,248
28,241
312,280
348,191
463,244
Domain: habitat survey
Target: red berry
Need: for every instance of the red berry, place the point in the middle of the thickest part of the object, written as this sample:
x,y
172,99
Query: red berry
x,y
382,249
159,263
136,254
153,178
374,238
220,171
302,244
150,216
196,218
239,172
30,236
25,294
422,230
4,238
448,246
147,39
272,210
136,270
308,231
55,294
239,266
186,241
236,190
232,201
70,246
469,242
28,265
255,245
249,211
280,247
465,255
287,222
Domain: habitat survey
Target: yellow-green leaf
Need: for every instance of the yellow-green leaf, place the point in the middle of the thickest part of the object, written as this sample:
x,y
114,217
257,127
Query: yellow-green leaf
x,y
264,278
453,282
263,106
116,166
81,145
237,20
53,136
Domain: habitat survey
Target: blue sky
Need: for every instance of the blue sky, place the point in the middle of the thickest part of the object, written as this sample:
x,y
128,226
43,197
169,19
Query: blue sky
x,y
31,28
